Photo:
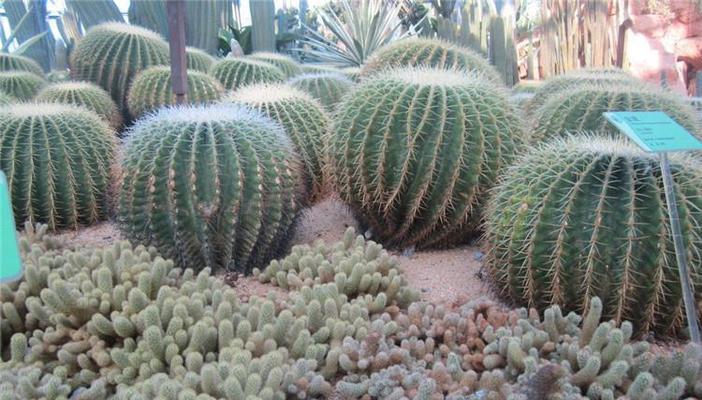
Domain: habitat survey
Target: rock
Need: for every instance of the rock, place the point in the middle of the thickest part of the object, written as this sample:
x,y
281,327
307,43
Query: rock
x,y
690,51
652,25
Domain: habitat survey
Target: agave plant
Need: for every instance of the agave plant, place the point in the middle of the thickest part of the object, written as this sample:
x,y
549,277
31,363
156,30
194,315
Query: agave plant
x,y
358,30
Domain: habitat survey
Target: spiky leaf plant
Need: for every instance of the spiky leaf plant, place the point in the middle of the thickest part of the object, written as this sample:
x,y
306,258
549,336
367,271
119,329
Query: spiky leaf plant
x,y
13,62
234,73
214,186
152,89
586,216
425,52
57,159
83,94
328,88
112,54
21,85
286,64
198,59
413,151
302,117
581,108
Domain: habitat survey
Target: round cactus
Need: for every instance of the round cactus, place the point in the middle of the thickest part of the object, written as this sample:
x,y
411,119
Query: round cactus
x,y
300,115
57,159
286,64
112,54
215,186
198,59
152,89
581,108
433,53
20,84
414,150
586,216
353,73
83,94
12,62
234,73
318,68
328,88
6,98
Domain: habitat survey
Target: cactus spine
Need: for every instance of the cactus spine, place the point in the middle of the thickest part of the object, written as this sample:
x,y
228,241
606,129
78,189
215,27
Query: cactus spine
x,y
83,94
20,84
328,88
198,59
234,73
286,64
13,62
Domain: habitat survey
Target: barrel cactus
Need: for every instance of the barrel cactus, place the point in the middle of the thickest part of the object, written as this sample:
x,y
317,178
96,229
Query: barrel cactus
x,y
13,62
20,84
6,98
83,94
581,108
112,54
234,73
353,73
318,68
57,159
328,88
586,216
152,89
198,59
413,151
210,186
286,64
428,53
302,117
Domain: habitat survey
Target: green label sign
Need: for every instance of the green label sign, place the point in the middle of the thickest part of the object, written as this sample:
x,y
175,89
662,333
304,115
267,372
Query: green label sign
x,y
654,131
10,263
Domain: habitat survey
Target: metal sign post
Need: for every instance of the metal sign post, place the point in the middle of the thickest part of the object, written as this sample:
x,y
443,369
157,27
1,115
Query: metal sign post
x,y
176,43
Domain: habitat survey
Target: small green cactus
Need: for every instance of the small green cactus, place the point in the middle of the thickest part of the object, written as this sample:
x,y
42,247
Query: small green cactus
x,y
13,62
198,60
328,88
21,85
234,73
152,89
286,64
83,94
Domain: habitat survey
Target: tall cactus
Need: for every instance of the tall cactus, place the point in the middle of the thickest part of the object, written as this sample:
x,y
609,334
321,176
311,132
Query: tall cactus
x,y
327,88
20,84
587,217
286,64
83,94
57,159
414,150
234,73
13,62
214,186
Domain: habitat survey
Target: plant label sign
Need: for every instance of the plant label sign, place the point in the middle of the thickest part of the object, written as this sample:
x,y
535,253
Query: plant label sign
x,y
10,263
654,131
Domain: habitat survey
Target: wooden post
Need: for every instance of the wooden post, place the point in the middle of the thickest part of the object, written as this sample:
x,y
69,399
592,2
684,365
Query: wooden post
x,y
176,42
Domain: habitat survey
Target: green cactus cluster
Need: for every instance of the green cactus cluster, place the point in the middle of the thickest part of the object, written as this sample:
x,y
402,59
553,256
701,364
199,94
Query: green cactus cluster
x,y
304,121
57,159
234,73
586,216
286,64
14,62
327,88
198,60
215,186
152,89
21,85
112,54
84,94
414,151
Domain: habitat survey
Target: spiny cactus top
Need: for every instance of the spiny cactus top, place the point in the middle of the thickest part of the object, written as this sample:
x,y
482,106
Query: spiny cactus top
x,y
83,94
21,85
286,64
152,88
328,88
57,159
414,150
302,117
586,216
12,62
112,53
214,186
428,53
234,73
198,59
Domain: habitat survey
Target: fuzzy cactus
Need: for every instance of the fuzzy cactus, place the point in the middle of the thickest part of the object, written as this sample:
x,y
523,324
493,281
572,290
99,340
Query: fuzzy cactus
x,y
416,52
413,151
233,170
83,94
234,73
286,64
112,54
57,160
303,119
21,85
586,216
328,88
13,62
152,89
198,60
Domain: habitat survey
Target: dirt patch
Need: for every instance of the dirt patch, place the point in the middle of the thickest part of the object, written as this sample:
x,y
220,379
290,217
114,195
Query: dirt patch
x,y
99,235
326,220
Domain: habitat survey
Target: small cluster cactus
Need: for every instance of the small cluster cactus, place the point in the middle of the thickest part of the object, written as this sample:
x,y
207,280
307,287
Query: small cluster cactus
x,y
586,217
152,88
198,60
83,94
215,186
21,85
234,73
57,160
328,88
13,62
286,64
413,151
